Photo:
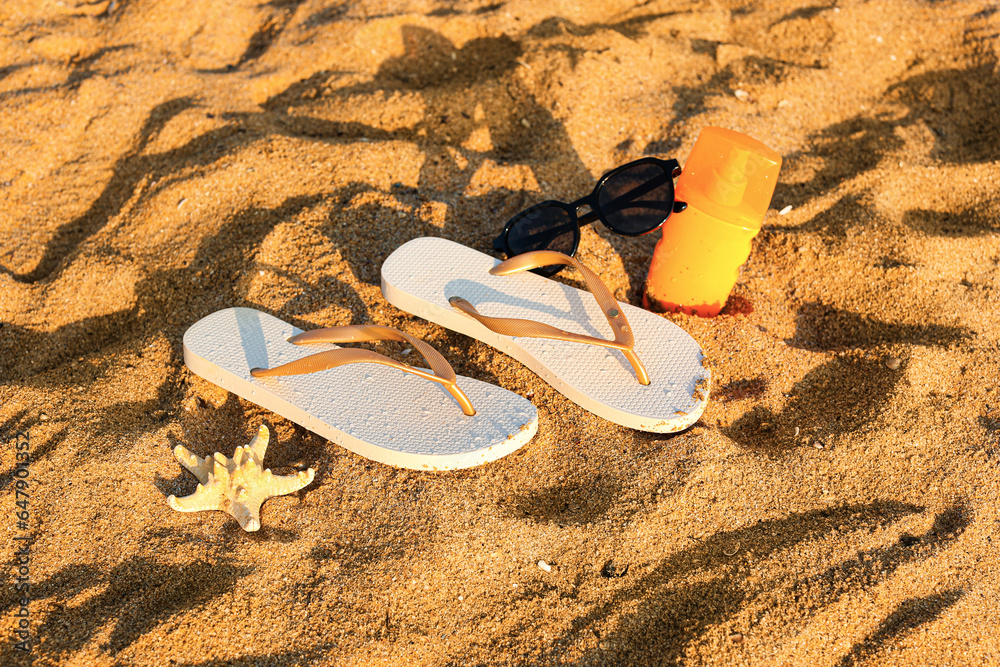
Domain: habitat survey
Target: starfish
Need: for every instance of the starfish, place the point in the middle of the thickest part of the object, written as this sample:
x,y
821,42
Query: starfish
x,y
236,485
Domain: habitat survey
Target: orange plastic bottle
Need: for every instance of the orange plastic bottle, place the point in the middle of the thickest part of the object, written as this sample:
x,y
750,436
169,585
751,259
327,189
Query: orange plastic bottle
x,y
727,183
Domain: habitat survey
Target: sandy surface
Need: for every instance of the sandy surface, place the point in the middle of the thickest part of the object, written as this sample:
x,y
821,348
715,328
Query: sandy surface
x,y
164,159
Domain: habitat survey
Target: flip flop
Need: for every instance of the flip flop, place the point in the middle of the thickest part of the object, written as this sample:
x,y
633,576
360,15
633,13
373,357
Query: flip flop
x,y
382,409
650,377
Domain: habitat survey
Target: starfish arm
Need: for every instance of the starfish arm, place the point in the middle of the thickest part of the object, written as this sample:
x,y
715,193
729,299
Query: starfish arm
x,y
280,485
248,467
220,468
198,466
199,501
258,446
247,514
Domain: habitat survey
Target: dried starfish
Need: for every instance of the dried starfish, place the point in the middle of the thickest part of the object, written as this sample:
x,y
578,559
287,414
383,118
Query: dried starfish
x,y
236,485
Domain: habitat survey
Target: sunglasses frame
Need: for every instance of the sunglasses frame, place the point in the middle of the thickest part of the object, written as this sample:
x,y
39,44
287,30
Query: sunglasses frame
x,y
672,167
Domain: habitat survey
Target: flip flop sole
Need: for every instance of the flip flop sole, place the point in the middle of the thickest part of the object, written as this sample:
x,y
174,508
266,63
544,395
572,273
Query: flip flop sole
x,y
422,274
376,411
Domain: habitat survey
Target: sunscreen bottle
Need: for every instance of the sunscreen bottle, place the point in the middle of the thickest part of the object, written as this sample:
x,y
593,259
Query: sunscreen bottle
x,y
727,183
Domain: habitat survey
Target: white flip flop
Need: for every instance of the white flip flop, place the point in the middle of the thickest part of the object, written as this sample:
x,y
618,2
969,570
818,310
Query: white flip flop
x,y
551,323
372,405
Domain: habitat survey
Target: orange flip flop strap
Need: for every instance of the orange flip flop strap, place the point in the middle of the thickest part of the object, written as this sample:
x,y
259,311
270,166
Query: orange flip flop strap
x,y
358,333
507,326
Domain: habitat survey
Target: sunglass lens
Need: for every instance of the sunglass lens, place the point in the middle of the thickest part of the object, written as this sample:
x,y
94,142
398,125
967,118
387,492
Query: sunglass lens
x,y
637,199
543,227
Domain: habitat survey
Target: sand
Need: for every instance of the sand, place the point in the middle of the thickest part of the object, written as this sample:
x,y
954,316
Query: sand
x,y
837,503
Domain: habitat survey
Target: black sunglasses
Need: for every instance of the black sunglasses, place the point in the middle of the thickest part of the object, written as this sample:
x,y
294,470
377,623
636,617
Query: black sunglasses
x,y
631,200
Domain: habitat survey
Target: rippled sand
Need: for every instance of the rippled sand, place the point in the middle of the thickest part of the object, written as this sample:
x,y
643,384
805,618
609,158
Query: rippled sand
x,y
164,159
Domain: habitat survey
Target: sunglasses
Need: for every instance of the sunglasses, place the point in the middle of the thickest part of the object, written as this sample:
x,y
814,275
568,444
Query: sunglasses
x,y
632,200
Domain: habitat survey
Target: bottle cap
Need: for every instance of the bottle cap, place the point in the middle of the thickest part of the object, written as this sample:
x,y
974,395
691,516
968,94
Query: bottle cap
x,y
730,176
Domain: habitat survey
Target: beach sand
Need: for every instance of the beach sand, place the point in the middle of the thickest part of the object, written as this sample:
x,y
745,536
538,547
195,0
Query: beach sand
x,y
837,503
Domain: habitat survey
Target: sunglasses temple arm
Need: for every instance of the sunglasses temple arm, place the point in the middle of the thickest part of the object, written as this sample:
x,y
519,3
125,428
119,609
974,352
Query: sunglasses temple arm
x,y
637,192
587,218
590,216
